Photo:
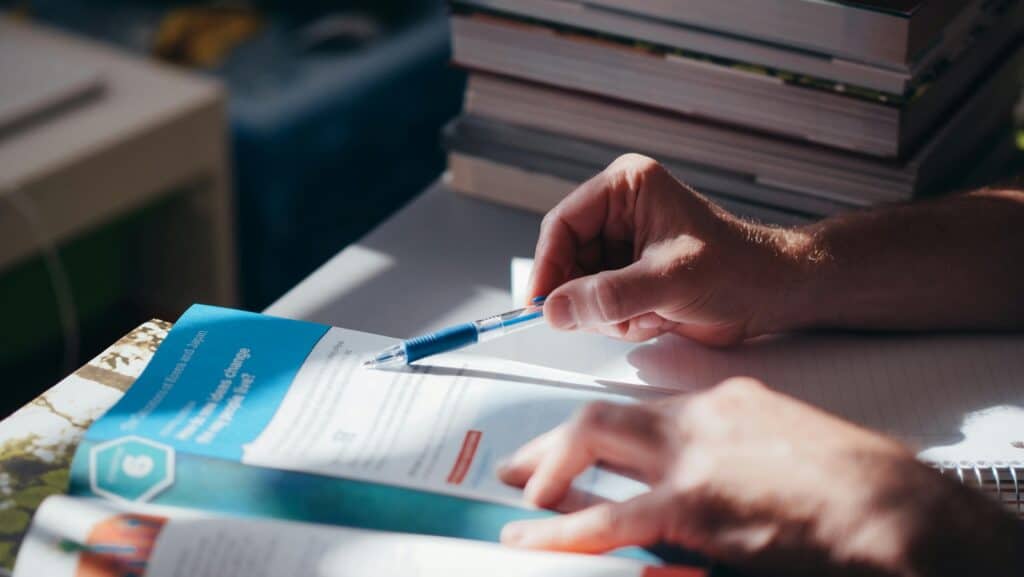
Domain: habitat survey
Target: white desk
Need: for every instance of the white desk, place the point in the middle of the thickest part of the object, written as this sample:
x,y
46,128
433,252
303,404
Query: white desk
x,y
440,260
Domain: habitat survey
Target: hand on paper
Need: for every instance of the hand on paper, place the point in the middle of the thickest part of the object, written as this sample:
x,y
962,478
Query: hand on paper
x,y
763,482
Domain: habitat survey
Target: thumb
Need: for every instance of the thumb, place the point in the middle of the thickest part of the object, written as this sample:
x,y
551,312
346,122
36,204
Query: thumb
x,y
608,297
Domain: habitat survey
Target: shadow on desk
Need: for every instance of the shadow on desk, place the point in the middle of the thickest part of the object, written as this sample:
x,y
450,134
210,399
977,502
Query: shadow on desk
x,y
919,388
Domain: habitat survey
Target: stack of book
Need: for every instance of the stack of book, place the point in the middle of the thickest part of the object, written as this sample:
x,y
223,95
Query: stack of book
x,y
782,110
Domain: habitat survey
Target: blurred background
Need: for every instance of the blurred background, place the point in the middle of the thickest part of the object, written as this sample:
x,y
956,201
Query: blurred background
x,y
198,151
154,154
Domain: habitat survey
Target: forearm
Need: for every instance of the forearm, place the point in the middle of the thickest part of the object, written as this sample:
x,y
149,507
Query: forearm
x,y
954,263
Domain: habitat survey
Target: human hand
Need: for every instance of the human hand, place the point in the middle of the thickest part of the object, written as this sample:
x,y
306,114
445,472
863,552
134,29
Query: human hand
x,y
633,253
764,482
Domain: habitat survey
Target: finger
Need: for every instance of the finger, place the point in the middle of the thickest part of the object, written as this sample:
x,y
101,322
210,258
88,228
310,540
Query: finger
x,y
517,469
596,529
554,258
711,335
649,321
626,331
582,218
635,333
625,436
616,331
564,232
610,297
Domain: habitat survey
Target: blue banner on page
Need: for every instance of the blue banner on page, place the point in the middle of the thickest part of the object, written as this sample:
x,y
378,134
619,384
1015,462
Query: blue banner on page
x,y
215,366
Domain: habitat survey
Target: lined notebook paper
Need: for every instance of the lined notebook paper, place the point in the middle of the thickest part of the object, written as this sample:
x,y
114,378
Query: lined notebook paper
x,y
958,399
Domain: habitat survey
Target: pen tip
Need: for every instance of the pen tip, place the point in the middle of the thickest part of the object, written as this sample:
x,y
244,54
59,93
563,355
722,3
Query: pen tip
x,y
392,356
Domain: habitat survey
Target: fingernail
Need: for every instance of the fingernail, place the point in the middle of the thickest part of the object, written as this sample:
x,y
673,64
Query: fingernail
x,y
511,534
560,313
503,466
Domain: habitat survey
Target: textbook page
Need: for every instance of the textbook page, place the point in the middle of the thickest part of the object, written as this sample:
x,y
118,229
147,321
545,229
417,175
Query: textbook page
x,y
72,537
238,412
442,425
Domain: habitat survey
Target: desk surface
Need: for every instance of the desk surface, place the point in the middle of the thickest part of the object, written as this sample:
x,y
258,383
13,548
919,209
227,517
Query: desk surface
x,y
444,259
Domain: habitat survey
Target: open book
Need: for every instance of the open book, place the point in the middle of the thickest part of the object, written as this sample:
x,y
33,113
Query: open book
x,y
256,442
253,445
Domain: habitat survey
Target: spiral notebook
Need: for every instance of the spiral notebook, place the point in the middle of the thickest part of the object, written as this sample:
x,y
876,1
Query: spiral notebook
x,y
957,399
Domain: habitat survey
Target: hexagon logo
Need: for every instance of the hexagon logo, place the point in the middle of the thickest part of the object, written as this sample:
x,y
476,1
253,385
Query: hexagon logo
x,y
130,469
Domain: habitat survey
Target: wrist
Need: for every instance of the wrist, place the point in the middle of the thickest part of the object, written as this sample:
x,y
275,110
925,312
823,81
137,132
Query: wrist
x,y
795,266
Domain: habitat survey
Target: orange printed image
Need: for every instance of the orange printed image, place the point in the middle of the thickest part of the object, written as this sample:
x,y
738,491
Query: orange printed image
x,y
465,458
119,546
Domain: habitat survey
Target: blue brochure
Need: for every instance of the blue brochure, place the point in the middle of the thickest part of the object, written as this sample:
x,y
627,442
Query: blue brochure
x,y
253,415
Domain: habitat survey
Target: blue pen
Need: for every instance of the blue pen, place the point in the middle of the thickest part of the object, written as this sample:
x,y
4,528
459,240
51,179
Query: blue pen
x,y
459,336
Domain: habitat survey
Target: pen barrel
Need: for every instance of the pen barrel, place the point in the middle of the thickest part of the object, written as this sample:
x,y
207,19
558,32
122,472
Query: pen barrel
x,y
500,325
441,341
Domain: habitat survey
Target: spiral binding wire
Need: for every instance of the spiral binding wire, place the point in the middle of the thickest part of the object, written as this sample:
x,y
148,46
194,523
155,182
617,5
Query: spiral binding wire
x,y
1016,488
1000,480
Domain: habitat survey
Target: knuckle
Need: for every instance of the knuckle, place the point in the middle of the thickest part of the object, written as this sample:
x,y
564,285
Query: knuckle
x,y
703,407
594,415
607,520
642,424
739,388
637,163
549,216
725,402
688,522
698,477
682,510
549,220
683,258
637,171
607,298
